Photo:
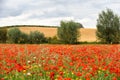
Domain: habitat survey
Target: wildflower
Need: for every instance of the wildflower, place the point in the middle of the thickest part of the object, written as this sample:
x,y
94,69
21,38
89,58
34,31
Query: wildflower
x,y
35,66
24,71
60,78
99,71
52,75
2,79
79,74
87,78
29,74
40,74
114,78
19,67
71,64
29,62
106,75
34,57
39,65
67,79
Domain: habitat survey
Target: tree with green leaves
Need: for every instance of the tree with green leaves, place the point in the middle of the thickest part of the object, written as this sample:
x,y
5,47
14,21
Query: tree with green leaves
x,y
36,37
68,32
108,27
79,25
3,35
16,36
13,35
23,38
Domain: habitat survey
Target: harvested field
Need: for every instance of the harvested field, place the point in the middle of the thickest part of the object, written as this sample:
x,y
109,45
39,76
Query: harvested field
x,y
86,34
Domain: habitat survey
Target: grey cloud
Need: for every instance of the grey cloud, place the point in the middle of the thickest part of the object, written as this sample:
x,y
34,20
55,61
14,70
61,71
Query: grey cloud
x,y
43,9
17,10
1,5
61,8
1,1
10,12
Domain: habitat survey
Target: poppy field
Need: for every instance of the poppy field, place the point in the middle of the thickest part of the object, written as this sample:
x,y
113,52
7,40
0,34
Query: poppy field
x,y
59,62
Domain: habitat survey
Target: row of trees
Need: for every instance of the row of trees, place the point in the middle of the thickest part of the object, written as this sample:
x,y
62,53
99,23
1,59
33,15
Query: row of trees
x,y
108,31
14,35
67,33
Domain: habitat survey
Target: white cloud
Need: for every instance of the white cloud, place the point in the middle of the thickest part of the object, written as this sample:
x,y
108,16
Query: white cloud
x,y
15,3
47,12
24,20
87,22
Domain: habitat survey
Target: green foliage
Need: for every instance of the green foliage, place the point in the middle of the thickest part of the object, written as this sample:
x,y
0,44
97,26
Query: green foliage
x,y
53,40
3,35
94,42
14,35
79,25
68,32
108,27
36,37
23,38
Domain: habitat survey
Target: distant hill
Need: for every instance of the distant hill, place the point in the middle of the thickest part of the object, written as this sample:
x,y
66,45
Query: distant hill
x,y
88,35
28,26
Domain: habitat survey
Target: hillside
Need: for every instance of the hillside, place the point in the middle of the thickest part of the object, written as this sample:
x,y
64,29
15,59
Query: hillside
x,y
86,34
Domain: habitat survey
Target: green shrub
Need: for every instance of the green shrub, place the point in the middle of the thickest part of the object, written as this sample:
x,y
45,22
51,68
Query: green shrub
x,y
3,35
13,35
36,37
23,38
53,40
16,36
94,42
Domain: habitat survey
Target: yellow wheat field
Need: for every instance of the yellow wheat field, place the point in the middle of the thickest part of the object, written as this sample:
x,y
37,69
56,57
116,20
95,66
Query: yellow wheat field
x,y
88,35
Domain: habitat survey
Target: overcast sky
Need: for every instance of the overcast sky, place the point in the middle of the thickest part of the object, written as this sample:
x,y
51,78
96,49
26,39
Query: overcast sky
x,y
51,12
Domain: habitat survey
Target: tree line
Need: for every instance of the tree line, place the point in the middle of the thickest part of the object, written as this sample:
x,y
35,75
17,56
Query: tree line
x,y
108,31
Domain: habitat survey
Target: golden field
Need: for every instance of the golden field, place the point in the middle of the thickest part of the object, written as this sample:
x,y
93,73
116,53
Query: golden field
x,y
88,35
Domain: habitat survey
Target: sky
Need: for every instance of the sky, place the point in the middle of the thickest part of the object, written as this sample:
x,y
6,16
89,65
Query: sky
x,y
51,12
